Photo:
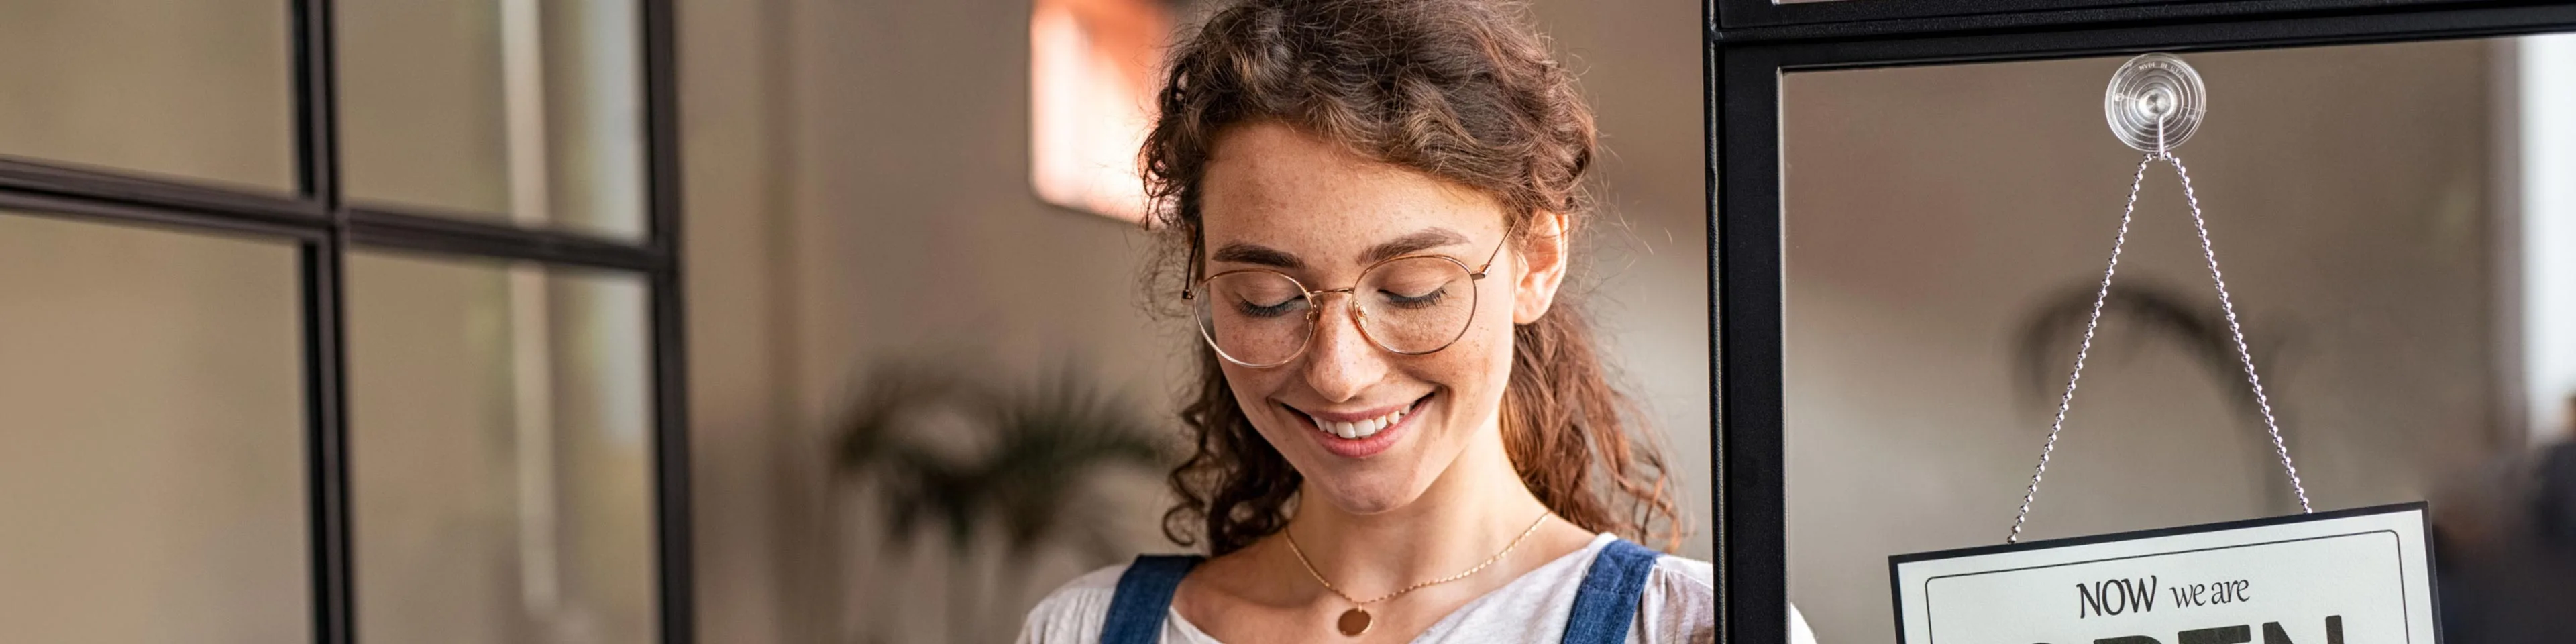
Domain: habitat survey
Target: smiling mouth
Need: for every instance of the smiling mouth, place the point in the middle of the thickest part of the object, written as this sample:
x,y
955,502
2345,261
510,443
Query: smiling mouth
x,y
1362,428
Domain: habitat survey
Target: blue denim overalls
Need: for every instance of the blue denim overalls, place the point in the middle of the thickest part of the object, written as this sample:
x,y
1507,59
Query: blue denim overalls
x,y
1604,605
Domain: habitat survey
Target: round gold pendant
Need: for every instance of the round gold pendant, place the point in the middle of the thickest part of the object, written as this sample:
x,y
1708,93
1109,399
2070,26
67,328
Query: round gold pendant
x,y
1354,622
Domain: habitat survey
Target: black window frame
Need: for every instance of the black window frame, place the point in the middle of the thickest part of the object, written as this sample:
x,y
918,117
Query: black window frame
x,y
1750,44
324,227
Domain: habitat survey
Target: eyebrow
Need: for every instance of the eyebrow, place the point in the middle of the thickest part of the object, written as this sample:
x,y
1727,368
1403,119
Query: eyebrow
x,y
1256,254
1427,238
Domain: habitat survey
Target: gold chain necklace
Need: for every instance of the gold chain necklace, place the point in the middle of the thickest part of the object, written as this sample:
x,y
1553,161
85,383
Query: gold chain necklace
x,y
1356,620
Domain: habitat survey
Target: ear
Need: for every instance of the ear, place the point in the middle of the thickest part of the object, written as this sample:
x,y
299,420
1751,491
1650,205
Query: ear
x,y
1543,257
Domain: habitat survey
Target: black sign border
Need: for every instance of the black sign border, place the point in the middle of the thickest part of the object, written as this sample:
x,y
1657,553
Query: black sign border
x,y
1896,593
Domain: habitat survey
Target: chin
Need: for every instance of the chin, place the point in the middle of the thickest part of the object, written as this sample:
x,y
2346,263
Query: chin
x,y
1366,501
1363,492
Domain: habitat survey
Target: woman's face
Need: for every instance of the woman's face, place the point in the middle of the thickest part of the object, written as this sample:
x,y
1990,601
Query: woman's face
x,y
1276,198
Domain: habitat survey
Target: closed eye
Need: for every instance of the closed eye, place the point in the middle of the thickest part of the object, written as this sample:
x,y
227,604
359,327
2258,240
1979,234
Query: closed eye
x,y
1258,310
1424,300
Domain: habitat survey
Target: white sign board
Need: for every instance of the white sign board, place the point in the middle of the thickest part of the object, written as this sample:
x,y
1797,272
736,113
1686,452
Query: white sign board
x,y
2360,576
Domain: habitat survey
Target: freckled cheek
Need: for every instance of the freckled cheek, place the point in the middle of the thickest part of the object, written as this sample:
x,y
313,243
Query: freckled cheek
x,y
1475,370
1253,387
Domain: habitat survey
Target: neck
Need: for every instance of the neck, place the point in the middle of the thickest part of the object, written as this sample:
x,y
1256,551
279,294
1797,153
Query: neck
x,y
1472,511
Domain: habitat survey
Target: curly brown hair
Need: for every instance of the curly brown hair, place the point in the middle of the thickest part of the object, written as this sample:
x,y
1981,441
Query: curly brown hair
x,y
1462,90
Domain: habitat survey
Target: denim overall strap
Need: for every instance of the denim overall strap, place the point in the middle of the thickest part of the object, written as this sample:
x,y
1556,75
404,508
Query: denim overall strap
x,y
1606,604
1144,596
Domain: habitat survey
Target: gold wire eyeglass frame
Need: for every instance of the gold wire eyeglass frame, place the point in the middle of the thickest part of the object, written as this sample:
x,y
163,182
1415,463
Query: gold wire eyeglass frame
x,y
1359,319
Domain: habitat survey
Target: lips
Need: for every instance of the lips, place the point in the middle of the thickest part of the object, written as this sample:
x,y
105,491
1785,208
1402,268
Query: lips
x,y
1350,435
1361,428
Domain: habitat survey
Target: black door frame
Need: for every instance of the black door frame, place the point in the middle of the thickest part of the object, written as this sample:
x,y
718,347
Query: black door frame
x,y
1749,44
324,227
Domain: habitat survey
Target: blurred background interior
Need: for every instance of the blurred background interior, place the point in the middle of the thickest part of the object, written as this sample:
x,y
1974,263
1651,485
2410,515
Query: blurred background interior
x,y
923,388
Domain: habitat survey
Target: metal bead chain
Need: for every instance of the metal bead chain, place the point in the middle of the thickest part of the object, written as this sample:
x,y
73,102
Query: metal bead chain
x,y
2245,356
2082,350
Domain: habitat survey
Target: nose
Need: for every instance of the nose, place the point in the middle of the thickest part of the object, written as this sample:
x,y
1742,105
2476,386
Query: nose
x,y
1342,363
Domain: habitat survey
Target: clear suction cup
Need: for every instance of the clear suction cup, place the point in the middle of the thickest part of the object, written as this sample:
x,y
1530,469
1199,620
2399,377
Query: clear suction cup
x,y
2154,102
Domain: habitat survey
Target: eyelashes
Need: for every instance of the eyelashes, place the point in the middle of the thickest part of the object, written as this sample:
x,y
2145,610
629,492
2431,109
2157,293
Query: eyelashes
x,y
1284,307
1425,300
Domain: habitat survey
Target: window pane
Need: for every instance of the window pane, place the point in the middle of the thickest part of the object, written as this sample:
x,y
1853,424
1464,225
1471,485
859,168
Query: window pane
x,y
500,453
151,437
1092,67
196,88
520,111
1946,229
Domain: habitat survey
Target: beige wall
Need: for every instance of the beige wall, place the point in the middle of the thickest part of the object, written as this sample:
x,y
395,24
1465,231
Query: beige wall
x,y
858,189
1929,208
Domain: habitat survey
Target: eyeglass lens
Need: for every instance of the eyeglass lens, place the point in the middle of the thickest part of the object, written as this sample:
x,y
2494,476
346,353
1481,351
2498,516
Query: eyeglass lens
x,y
1411,306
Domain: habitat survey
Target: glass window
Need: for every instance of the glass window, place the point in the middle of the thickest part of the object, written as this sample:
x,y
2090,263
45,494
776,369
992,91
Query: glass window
x,y
1092,71
501,461
202,89
152,453
517,111
1947,229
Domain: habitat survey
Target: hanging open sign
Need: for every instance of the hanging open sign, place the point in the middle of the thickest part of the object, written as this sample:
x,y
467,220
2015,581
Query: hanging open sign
x,y
2361,576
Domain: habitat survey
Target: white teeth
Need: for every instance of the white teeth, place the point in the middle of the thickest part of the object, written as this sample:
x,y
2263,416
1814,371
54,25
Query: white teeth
x,y
1361,428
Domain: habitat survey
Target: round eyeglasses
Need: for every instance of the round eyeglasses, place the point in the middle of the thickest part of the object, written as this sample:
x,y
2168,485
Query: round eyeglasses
x,y
1410,305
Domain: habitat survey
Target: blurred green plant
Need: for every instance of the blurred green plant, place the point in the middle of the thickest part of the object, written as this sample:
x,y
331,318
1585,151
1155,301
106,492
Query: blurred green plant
x,y
980,459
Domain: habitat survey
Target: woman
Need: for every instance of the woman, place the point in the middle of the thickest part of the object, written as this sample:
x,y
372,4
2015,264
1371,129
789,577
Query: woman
x,y
1401,434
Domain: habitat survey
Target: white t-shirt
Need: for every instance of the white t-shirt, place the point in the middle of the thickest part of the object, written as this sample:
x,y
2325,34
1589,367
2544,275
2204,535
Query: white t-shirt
x,y
1678,606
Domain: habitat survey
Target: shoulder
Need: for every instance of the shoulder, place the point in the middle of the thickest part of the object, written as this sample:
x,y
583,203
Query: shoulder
x,y
1685,574
1679,603
1074,612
